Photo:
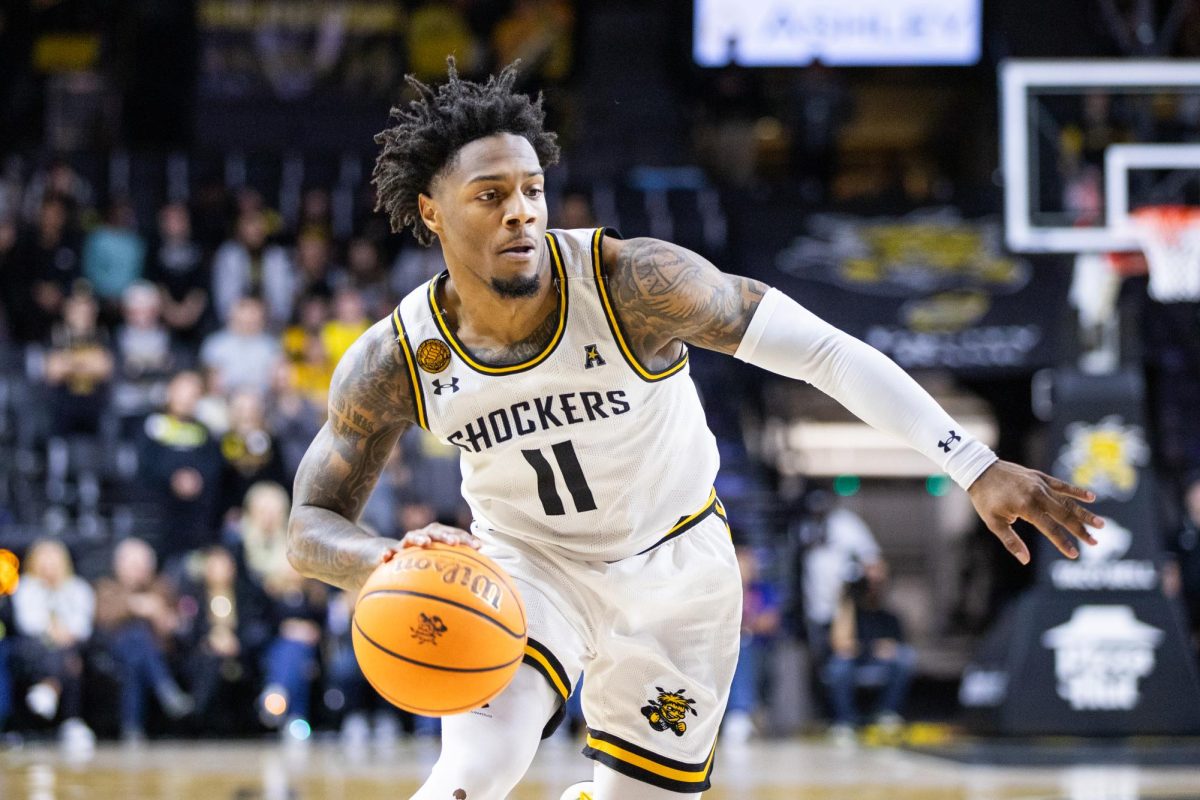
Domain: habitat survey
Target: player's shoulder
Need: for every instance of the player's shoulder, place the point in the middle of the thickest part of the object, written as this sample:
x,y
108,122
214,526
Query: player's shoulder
x,y
375,366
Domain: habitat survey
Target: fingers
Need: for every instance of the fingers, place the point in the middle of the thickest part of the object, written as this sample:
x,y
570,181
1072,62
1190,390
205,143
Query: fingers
x,y
1062,487
1074,518
442,534
1045,522
1012,543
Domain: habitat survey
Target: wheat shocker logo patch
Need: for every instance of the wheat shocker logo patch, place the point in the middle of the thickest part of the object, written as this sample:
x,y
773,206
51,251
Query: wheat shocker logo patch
x,y
669,711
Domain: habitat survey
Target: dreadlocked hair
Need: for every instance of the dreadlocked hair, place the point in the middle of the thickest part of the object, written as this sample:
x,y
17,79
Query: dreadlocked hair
x,y
432,129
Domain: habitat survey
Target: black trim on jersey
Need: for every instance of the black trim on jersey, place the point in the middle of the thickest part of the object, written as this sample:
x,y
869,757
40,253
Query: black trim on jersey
x,y
614,324
491,369
621,755
413,373
686,523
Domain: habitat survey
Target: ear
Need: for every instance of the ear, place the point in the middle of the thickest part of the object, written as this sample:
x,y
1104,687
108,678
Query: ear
x,y
430,213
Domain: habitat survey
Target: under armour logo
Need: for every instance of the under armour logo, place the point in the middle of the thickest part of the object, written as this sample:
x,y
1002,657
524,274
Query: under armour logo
x,y
951,439
438,386
592,357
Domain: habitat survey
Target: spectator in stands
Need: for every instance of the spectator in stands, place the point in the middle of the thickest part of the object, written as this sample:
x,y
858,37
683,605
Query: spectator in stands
x,y
344,677
242,353
309,369
6,678
349,322
838,546
868,648
79,367
314,265
114,255
44,266
294,417
137,618
315,213
248,451
366,275
297,608
248,266
57,179
8,243
760,626
179,468
218,621
54,611
176,265
145,357
414,265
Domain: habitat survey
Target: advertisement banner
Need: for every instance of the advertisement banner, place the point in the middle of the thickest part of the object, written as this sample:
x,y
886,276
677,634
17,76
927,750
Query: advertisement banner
x,y
931,290
1095,648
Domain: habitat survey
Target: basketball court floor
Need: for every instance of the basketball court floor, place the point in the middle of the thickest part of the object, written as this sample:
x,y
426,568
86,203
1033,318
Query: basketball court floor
x,y
785,770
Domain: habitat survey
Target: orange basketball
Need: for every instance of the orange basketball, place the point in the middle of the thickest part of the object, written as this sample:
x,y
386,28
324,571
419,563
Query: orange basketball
x,y
439,630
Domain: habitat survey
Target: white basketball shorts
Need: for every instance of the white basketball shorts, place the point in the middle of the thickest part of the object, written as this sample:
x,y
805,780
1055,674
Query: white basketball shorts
x,y
656,636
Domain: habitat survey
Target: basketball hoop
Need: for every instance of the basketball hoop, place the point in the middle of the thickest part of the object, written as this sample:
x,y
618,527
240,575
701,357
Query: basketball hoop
x,y
1170,238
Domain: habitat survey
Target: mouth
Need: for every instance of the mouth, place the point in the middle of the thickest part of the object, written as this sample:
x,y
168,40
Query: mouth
x,y
521,248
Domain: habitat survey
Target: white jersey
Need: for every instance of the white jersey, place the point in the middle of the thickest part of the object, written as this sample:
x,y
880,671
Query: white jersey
x,y
579,450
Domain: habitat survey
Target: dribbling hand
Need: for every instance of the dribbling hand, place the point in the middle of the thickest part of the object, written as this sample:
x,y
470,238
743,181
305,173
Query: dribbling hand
x,y
1006,492
436,532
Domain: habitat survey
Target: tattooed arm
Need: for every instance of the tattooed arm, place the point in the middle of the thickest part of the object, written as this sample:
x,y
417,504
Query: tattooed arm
x,y
666,294
370,405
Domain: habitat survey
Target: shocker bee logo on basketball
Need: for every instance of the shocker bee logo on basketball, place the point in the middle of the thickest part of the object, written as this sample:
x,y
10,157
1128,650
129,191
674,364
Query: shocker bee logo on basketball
x,y
433,356
428,630
669,711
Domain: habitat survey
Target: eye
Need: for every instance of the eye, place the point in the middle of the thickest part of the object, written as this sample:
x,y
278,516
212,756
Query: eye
x,y
487,196
535,191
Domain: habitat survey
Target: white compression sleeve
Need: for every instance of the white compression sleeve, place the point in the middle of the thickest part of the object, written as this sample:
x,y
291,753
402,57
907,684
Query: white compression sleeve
x,y
789,340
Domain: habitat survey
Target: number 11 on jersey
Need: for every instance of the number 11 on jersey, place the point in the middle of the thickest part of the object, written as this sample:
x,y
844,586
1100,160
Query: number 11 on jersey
x,y
573,477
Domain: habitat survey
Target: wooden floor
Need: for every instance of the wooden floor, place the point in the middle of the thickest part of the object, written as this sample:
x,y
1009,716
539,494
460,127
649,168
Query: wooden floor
x,y
795,770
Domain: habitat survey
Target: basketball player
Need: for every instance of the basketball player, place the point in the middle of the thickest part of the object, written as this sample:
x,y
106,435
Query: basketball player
x,y
557,362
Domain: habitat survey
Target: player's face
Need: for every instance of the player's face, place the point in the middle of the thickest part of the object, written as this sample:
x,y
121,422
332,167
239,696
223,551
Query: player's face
x,y
489,212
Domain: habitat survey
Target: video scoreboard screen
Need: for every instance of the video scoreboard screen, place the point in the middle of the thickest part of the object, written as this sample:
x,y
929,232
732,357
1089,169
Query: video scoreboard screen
x,y
778,33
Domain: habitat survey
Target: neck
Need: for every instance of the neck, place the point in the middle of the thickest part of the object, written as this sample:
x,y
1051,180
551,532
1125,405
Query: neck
x,y
481,317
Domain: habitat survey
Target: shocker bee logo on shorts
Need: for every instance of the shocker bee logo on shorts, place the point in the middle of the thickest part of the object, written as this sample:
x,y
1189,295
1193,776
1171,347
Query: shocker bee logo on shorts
x,y
433,355
669,711
428,629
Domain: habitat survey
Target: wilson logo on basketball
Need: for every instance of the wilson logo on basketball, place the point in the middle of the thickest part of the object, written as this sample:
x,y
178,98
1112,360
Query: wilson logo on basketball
x,y
452,572
428,629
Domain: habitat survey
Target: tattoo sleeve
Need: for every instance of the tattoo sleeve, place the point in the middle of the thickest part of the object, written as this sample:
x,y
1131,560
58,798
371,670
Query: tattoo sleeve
x,y
665,294
370,406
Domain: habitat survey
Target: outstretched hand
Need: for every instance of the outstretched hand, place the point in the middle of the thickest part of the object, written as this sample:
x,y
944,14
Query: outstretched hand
x,y
1008,491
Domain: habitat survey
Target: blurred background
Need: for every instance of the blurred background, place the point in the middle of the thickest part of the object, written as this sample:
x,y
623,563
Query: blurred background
x,y
188,246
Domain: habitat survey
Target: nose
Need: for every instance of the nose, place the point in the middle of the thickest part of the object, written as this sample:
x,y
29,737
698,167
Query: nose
x,y
520,211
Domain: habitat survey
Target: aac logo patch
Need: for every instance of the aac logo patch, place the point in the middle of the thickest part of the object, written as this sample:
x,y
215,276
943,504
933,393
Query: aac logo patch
x,y
592,357
433,355
669,711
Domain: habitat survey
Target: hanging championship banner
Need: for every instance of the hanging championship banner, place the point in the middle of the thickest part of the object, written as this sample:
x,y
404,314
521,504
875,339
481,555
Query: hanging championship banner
x,y
1095,648
930,289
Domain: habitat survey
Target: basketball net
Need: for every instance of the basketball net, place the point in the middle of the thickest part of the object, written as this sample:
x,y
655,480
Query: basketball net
x,y
1170,238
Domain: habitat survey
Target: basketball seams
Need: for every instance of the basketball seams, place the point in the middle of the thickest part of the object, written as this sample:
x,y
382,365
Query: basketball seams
x,y
449,602
426,664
